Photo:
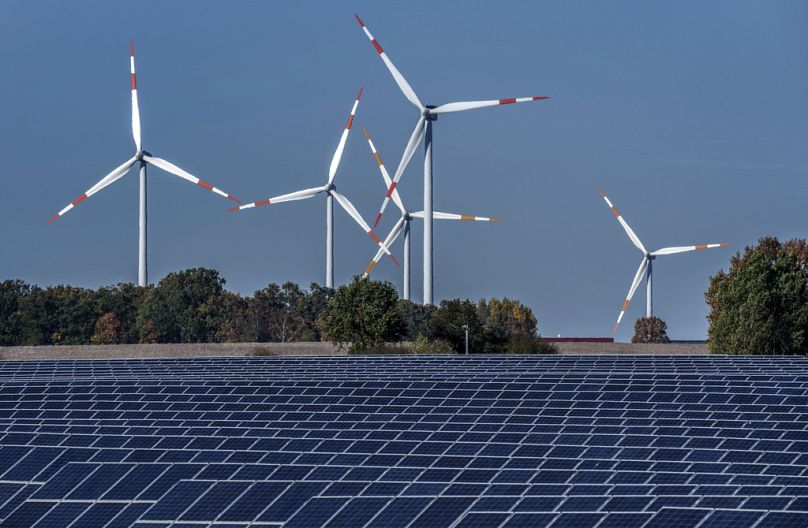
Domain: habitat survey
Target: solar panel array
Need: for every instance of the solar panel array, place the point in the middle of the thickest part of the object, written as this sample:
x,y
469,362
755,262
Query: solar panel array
x,y
438,441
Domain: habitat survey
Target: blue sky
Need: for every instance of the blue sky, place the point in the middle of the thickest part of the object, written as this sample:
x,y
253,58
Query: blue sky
x,y
691,115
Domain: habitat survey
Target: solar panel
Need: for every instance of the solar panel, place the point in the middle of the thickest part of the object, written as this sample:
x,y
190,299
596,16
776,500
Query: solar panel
x,y
475,441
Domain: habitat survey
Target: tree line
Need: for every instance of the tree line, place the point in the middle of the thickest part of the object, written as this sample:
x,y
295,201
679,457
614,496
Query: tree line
x,y
192,306
758,306
189,306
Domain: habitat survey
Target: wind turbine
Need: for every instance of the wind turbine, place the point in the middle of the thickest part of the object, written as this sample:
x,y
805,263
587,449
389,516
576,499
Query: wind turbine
x,y
646,266
143,158
404,221
331,194
423,129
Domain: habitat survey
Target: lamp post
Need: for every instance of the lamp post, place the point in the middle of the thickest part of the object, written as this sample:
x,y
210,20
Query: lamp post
x,y
466,328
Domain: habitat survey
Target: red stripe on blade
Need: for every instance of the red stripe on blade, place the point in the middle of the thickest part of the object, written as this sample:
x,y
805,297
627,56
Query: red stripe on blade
x,y
539,98
134,82
507,101
359,20
394,259
79,199
232,209
378,217
233,198
391,189
262,202
350,122
359,95
374,237
131,48
376,45
54,217
205,185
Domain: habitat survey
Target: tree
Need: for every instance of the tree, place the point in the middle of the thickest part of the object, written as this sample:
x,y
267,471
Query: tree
x,y
447,324
233,325
364,314
12,301
280,313
650,330
67,315
107,330
416,319
124,300
760,306
317,301
184,307
508,326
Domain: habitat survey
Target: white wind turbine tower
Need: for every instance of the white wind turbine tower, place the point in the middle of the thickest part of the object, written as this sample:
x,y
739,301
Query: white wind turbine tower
x,y
143,158
331,194
423,128
646,266
404,221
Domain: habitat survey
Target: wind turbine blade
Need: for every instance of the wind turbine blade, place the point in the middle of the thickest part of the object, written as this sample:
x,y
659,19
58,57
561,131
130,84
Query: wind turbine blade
x,y
297,195
684,249
409,150
387,243
634,284
332,170
409,93
173,169
633,236
135,107
452,216
351,210
471,105
386,176
110,178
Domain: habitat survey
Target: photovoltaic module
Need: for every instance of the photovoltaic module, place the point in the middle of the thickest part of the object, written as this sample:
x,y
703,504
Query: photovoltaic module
x,y
406,441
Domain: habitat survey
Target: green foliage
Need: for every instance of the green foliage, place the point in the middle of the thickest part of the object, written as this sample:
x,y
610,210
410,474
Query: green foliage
x,y
650,330
416,319
423,345
447,325
184,307
760,306
68,315
192,306
508,326
364,314
12,316
233,325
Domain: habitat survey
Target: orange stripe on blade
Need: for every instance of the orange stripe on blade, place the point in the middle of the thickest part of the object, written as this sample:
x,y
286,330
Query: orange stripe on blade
x,y
466,217
615,213
134,82
370,267
378,159
701,246
625,305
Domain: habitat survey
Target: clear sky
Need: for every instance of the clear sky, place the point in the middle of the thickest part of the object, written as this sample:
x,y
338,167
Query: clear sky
x,y
691,115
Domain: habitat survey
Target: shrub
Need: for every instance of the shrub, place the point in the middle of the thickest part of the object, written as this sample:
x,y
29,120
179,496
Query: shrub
x,y
650,330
